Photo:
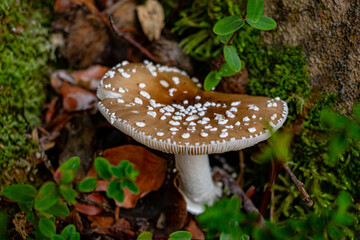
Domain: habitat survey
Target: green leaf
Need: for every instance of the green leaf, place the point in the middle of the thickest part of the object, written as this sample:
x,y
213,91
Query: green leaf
x,y
129,169
67,176
59,209
70,164
57,237
119,195
130,185
46,227
112,188
48,195
68,231
26,207
180,235
75,236
22,193
225,38
264,23
88,184
145,236
226,70
232,58
68,193
211,80
102,167
228,25
117,171
254,9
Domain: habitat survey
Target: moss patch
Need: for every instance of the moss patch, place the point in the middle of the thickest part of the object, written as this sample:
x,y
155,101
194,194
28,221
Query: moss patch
x,y
24,52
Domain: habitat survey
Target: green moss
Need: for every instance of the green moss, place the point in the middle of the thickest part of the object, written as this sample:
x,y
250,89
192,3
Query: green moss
x,y
24,52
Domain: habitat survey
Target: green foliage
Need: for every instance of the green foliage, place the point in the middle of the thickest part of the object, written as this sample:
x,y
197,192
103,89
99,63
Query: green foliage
x,y
179,235
227,28
49,200
25,51
225,219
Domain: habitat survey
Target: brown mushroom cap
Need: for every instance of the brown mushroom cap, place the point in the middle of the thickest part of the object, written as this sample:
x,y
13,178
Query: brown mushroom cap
x,y
164,109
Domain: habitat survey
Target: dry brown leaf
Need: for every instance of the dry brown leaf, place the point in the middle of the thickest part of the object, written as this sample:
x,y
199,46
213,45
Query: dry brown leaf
x,y
101,224
122,229
75,219
194,230
175,210
151,17
90,77
90,210
76,98
152,170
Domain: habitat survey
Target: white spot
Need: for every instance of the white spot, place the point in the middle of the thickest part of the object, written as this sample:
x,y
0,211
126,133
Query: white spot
x,y
185,102
204,134
119,100
229,114
252,130
246,119
151,113
174,129
134,70
222,121
192,118
140,124
213,129
253,116
138,101
163,118
121,90
125,75
185,135
273,117
176,117
145,94
171,91
233,109
277,99
237,123
111,74
272,104
160,134
195,80
142,85
176,80
197,97
224,135
174,123
164,83
253,107
233,104
135,111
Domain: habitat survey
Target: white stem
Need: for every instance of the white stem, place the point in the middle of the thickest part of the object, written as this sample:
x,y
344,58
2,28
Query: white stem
x,y
196,181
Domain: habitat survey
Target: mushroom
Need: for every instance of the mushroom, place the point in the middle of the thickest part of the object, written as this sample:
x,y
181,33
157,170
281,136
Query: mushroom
x,y
164,109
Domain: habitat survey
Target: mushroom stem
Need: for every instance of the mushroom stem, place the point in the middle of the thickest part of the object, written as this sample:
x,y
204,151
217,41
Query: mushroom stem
x,y
196,181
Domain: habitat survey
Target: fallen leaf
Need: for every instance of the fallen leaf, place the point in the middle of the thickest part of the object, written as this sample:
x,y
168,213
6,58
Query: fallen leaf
x,y
58,78
90,210
152,170
122,229
194,230
76,98
90,77
101,224
75,219
63,5
151,17
175,210
50,110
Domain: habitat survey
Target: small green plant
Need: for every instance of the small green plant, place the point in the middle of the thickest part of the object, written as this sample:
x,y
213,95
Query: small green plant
x,y
226,29
43,205
179,235
225,219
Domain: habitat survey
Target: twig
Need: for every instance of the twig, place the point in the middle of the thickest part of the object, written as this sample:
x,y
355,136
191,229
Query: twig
x,y
305,196
110,23
235,188
105,206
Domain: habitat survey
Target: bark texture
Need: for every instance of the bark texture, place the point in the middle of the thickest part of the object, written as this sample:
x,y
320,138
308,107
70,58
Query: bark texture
x,y
329,31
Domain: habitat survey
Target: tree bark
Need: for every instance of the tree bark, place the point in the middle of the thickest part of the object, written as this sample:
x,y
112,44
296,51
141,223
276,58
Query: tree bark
x,y
329,31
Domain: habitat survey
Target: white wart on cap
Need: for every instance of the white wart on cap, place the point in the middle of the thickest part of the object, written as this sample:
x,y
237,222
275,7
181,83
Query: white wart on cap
x,y
164,109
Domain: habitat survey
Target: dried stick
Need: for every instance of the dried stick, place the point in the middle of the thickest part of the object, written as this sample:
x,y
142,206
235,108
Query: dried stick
x,y
110,23
235,188
305,196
